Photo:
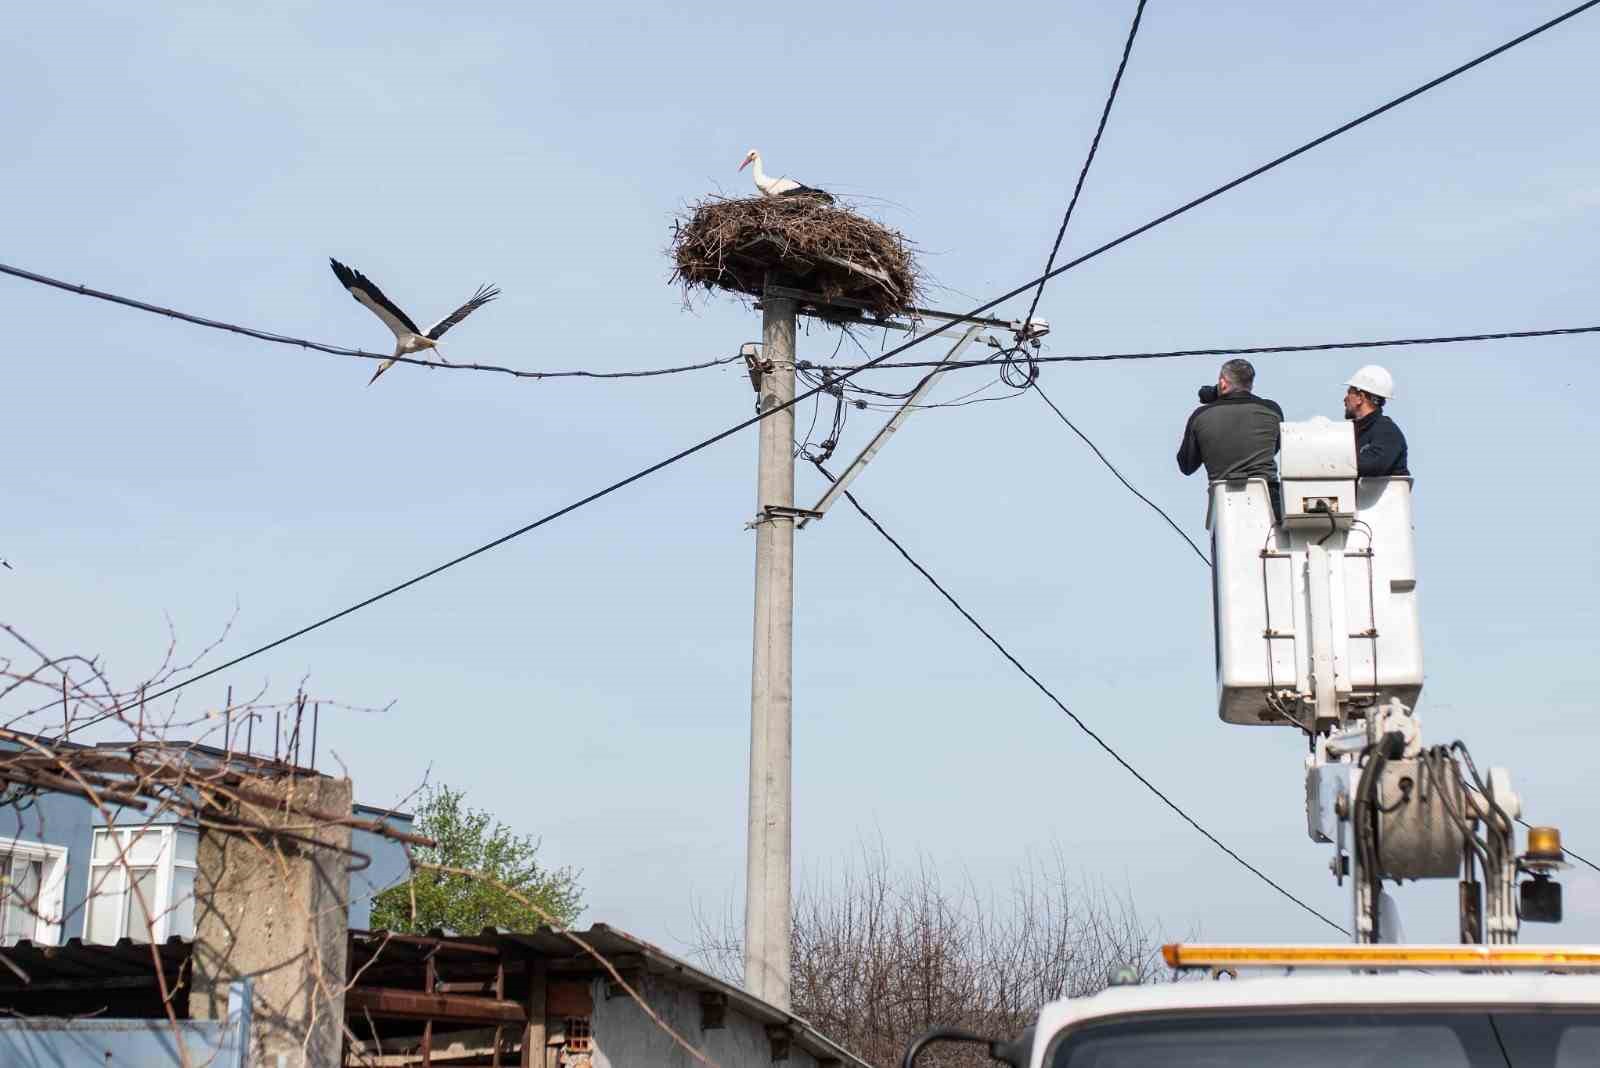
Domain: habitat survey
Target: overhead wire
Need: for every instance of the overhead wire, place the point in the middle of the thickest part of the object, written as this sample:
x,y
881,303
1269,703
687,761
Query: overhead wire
x,y
1073,716
829,443
962,401
824,379
820,374
1580,858
1028,378
803,443
1088,159
1020,378
972,396
888,354
1031,379
335,350
1258,350
1113,469
864,391
1162,354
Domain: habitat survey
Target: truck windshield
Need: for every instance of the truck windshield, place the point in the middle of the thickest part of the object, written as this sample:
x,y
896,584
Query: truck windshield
x,y
1413,1039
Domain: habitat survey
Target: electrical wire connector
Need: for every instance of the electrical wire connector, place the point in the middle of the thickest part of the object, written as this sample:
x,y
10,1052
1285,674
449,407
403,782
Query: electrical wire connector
x,y
1030,332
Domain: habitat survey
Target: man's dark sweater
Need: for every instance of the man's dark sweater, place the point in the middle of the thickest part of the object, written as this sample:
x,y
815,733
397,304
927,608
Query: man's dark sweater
x,y
1235,436
1380,447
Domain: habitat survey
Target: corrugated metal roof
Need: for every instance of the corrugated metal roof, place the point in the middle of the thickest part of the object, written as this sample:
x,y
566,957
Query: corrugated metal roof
x,y
626,952
120,980
610,942
82,977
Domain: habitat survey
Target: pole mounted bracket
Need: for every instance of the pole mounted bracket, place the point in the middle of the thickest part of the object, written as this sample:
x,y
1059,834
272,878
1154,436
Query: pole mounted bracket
x,y
779,511
753,363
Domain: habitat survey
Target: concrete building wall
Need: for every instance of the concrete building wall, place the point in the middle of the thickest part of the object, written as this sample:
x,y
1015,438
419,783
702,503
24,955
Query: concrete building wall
x,y
276,915
624,1037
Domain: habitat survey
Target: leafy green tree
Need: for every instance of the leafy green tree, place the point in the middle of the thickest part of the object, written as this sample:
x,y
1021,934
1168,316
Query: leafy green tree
x,y
472,839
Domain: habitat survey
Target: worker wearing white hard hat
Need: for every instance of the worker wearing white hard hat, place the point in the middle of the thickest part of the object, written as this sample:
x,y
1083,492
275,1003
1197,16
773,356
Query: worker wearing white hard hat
x,y
1380,447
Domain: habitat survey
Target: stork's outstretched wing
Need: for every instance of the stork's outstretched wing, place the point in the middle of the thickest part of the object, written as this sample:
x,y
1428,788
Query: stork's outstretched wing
x,y
362,288
483,296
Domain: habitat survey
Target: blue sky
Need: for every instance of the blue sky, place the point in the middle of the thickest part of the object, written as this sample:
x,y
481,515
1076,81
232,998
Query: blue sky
x,y
589,682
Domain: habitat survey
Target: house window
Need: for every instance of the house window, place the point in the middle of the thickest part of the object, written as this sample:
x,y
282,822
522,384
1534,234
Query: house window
x,y
33,879
579,1035
141,885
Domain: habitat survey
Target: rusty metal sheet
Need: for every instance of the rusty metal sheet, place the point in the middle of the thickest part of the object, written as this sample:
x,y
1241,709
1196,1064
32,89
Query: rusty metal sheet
x,y
389,1003
569,997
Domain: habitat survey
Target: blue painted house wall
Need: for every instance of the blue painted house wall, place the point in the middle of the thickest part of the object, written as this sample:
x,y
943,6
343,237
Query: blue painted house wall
x,y
388,867
42,1042
61,820
68,821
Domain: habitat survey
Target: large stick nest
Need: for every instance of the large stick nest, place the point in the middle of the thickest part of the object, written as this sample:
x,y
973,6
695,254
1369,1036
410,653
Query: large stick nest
x,y
742,243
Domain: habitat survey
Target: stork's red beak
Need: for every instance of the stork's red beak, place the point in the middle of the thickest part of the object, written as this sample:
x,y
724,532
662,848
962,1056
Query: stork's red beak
x,y
745,164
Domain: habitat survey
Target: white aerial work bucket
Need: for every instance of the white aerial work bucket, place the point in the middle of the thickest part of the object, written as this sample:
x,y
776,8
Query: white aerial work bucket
x,y
1316,615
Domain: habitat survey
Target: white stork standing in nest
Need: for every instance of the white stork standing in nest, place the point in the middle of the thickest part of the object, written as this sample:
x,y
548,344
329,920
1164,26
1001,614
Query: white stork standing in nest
x,y
780,187
407,337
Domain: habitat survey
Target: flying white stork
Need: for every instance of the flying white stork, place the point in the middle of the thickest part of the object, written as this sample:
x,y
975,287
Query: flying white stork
x,y
780,187
408,338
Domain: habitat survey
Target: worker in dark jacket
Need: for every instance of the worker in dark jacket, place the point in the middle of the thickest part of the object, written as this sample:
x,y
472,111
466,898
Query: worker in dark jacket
x,y
1380,447
1234,432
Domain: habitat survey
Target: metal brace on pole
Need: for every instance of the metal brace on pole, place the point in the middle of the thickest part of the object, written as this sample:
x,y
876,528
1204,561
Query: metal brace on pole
x,y
855,467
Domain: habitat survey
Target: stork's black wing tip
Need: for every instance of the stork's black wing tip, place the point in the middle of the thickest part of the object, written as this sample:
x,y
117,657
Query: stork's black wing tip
x,y
821,196
345,275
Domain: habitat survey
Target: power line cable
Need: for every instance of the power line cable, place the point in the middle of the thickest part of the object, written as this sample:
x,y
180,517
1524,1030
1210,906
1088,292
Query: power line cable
x,y
1052,273
1083,172
335,350
1079,723
847,374
1505,335
1032,378
1112,468
1324,138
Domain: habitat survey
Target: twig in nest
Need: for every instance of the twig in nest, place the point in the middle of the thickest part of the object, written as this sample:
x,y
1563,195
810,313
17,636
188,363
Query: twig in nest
x,y
739,243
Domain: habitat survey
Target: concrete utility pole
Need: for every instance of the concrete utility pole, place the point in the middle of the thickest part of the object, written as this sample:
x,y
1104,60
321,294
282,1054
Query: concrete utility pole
x,y
767,918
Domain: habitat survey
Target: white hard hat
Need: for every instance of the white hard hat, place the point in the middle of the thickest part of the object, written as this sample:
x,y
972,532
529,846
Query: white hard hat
x,y
1373,379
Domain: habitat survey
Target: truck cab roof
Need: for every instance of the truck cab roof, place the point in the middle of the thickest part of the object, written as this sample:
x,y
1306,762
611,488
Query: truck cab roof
x,y
1316,995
